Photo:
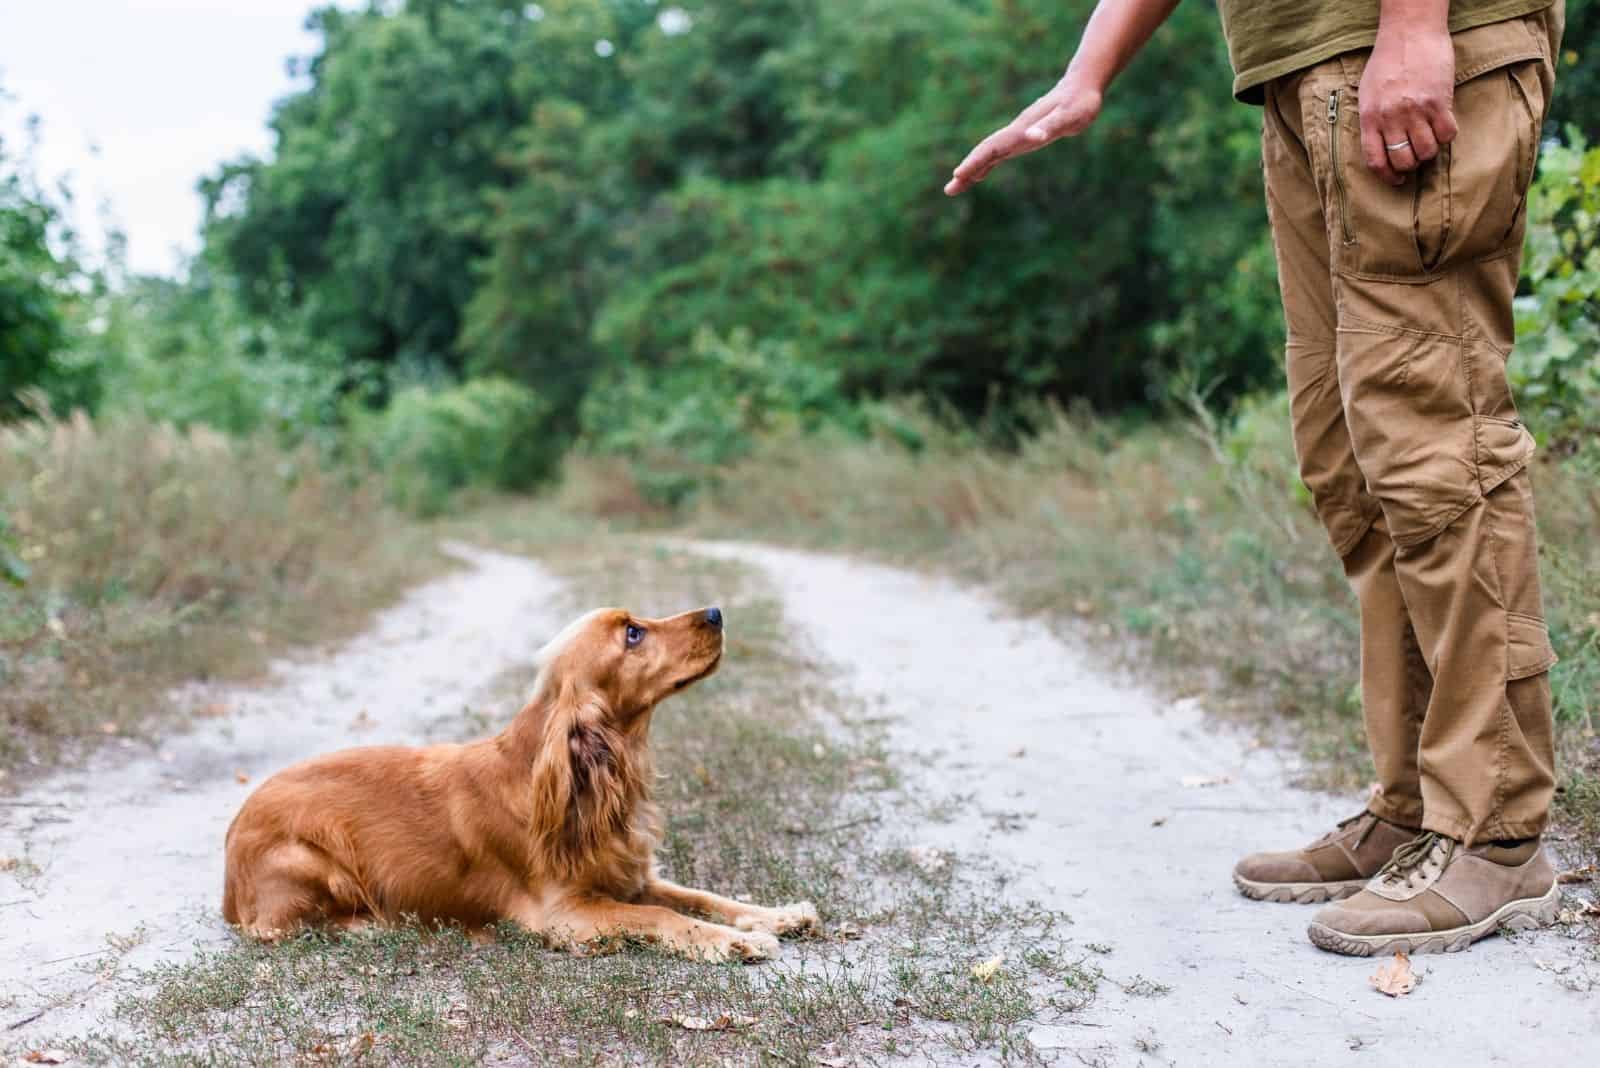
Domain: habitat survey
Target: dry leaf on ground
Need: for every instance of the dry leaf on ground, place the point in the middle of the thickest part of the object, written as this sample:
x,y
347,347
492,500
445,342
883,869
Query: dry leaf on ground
x,y
988,969
1584,874
725,1022
1395,977
46,1056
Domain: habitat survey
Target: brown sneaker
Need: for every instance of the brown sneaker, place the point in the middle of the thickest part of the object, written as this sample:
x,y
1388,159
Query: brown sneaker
x,y
1333,867
1435,896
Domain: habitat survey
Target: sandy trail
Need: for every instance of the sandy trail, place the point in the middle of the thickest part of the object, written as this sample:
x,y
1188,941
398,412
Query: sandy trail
x,y
129,851
1096,817
1093,815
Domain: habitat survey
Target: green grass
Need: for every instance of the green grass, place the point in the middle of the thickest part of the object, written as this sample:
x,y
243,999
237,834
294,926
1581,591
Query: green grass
x,y
771,782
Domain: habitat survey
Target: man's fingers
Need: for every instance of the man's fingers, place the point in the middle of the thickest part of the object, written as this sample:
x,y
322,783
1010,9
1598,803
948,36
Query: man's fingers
x,y
1423,144
1057,123
1443,121
1375,154
981,160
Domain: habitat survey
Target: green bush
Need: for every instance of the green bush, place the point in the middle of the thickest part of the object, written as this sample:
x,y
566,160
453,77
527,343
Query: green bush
x,y
429,443
1557,367
677,424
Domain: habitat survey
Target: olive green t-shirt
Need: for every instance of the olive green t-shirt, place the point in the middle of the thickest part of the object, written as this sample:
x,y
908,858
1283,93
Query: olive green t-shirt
x,y
1270,38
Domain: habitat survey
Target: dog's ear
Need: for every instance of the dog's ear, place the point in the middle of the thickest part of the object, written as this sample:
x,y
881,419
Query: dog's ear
x,y
579,775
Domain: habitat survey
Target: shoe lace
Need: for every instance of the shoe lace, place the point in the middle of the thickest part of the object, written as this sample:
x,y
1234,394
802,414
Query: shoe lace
x,y
1408,860
1364,814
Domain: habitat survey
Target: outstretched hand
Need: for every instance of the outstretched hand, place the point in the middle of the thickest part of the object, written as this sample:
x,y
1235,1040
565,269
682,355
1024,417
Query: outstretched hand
x,y
1066,110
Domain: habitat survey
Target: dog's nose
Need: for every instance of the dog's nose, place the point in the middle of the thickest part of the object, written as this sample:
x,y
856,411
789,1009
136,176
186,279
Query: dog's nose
x,y
714,617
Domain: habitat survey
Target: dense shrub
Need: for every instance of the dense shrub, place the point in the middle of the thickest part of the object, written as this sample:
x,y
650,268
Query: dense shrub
x,y
1557,365
428,443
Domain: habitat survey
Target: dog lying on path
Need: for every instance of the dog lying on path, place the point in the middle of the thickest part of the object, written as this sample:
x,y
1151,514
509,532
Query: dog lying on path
x,y
548,825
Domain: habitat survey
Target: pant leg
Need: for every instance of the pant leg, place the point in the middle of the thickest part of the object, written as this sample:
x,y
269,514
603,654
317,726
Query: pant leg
x,y
1423,279
1395,682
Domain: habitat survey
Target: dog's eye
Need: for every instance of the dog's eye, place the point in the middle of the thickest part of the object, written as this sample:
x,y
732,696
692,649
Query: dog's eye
x,y
634,635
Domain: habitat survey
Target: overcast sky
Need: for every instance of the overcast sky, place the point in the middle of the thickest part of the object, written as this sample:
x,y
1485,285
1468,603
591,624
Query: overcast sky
x,y
139,98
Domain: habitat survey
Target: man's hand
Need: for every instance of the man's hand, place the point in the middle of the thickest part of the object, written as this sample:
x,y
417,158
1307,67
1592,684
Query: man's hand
x,y
1116,30
1066,110
1408,90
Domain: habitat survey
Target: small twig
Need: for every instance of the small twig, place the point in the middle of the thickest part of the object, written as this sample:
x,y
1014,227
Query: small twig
x,y
77,956
32,804
18,901
796,829
28,1019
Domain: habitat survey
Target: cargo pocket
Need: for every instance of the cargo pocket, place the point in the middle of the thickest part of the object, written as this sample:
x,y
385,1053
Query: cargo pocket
x,y
1503,447
1529,651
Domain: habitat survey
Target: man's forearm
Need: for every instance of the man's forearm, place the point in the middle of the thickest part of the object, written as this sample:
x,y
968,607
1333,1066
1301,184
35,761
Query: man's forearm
x,y
1114,35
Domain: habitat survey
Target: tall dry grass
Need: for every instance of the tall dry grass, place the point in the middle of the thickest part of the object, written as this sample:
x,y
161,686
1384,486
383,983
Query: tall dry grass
x,y
1190,549
159,555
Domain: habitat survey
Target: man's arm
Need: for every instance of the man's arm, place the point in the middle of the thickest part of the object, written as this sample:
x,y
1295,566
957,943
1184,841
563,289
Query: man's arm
x,y
1408,90
1116,32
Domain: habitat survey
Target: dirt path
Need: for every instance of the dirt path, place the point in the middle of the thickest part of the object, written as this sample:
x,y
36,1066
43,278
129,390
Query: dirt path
x,y
1095,815
121,863
1066,776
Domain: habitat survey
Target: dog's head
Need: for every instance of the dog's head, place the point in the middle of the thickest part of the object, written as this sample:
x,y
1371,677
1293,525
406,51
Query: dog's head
x,y
627,664
598,681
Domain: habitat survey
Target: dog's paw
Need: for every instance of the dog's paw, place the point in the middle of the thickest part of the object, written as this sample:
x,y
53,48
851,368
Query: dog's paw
x,y
786,919
747,946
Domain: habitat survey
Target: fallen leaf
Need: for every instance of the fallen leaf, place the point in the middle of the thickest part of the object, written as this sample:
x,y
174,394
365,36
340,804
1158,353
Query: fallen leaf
x,y
1584,874
1395,978
988,969
725,1022
46,1056
241,777
1589,908
703,775
1205,780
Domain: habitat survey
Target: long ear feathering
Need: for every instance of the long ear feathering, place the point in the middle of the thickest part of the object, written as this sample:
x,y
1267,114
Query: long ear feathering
x,y
584,782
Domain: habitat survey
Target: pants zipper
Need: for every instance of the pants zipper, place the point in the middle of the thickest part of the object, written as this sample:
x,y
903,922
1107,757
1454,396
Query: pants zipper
x,y
1338,172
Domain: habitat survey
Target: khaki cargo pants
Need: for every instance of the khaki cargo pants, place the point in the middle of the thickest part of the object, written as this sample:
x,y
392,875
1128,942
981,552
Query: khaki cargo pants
x,y
1398,305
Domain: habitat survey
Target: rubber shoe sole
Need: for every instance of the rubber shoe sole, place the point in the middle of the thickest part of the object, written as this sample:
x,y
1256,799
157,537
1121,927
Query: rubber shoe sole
x,y
1298,893
1526,914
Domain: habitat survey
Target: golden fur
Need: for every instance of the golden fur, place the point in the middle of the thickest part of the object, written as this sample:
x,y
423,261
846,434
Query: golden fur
x,y
549,824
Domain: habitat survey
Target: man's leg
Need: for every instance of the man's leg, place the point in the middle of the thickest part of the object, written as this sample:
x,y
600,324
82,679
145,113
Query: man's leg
x,y
1395,682
1424,290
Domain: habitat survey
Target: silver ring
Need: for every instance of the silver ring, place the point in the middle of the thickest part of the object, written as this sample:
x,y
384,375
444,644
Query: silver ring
x,y
1399,145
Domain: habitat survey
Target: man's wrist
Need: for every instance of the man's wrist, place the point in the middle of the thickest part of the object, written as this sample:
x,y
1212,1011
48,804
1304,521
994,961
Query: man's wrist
x,y
1414,16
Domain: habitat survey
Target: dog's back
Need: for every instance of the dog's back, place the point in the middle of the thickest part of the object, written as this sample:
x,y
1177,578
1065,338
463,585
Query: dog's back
x,y
372,833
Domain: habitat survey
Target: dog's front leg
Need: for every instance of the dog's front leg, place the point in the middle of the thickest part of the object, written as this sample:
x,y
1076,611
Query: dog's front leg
x,y
786,919
576,924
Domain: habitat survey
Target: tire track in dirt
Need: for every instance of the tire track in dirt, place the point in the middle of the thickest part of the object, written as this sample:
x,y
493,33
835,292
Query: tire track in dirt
x,y
1076,780
121,862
